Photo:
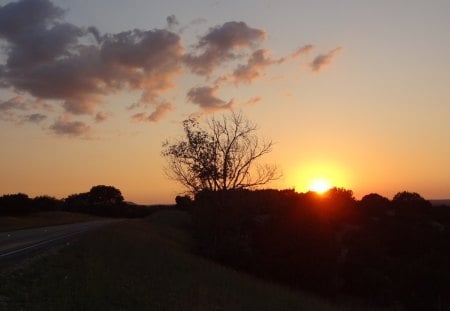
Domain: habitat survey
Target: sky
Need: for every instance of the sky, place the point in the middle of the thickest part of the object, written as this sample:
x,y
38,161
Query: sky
x,y
354,92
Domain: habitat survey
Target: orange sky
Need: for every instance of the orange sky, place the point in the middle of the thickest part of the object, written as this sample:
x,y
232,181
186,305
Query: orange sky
x,y
355,93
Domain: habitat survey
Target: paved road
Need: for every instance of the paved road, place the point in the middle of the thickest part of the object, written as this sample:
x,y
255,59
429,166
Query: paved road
x,y
22,243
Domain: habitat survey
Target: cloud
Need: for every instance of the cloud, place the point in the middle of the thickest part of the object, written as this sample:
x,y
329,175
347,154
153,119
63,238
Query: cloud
x,y
254,100
252,70
49,59
304,50
63,126
257,63
155,116
220,44
172,21
206,98
14,103
34,118
61,68
101,116
323,60
13,109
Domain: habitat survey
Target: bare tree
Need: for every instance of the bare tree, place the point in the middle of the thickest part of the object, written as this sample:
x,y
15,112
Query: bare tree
x,y
223,155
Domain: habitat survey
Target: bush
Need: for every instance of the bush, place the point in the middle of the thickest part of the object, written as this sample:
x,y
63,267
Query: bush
x,y
15,204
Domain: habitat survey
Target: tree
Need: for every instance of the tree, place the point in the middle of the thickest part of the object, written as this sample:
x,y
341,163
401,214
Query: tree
x,y
374,204
95,200
223,155
18,203
46,203
105,195
410,200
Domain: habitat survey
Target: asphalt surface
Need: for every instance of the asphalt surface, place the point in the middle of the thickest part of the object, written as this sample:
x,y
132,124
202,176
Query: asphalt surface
x,y
20,244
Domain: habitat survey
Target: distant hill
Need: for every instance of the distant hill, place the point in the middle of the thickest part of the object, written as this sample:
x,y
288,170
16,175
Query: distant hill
x,y
440,202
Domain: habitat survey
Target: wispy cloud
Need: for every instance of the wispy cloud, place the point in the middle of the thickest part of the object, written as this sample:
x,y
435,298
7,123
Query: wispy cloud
x,y
254,100
64,126
34,118
323,60
155,116
304,50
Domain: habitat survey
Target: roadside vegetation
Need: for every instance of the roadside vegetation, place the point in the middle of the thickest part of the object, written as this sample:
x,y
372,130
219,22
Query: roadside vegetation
x,y
20,211
385,252
144,264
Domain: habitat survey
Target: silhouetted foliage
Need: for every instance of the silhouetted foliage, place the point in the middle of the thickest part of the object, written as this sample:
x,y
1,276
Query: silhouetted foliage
x,y
184,202
15,204
46,203
105,201
374,204
410,200
105,195
100,200
222,156
77,202
330,243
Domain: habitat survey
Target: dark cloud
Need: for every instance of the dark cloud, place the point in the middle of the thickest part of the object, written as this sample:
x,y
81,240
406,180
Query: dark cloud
x,y
63,126
35,118
18,18
172,21
206,98
220,44
49,59
323,60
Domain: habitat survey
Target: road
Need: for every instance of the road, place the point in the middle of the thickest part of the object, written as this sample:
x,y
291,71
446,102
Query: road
x,y
20,244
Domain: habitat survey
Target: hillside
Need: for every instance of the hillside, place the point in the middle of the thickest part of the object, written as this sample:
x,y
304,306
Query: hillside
x,y
142,264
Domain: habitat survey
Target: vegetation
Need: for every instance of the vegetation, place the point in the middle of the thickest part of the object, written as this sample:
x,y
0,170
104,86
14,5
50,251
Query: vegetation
x,y
142,265
101,200
384,252
222,156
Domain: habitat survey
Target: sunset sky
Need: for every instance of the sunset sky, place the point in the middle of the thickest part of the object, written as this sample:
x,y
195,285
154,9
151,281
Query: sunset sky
x,y
354,92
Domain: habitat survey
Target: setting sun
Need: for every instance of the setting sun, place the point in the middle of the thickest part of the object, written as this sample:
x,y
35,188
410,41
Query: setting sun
x,y
319,185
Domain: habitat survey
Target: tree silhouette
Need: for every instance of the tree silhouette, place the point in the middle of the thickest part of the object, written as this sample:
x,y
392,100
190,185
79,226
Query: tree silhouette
x,y
105,195
410,200
374,204
222,156
18,203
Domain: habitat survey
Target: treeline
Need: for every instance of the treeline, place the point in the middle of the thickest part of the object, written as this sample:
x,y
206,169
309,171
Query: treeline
x,y
100,200
386,252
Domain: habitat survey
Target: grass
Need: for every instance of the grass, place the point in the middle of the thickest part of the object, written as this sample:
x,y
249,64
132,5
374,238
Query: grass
x,y
144,264
41,219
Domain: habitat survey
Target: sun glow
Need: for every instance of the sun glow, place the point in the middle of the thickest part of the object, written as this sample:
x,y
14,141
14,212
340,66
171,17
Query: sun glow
x,y
319,185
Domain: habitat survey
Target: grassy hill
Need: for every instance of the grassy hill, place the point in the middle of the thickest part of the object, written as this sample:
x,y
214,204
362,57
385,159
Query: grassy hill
x,y
144,264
